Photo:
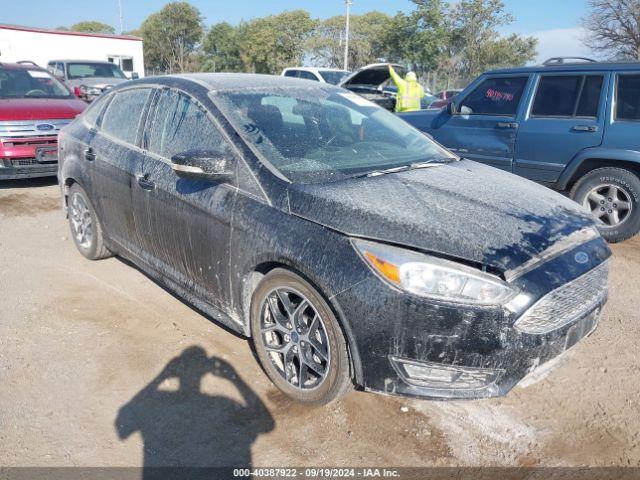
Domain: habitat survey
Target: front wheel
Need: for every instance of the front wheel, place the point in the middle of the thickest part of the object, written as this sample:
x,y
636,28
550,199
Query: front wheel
x,y
613,196
298,340
85,226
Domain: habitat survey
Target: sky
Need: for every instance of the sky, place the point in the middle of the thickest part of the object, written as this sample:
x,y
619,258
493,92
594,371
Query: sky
x,y
556,23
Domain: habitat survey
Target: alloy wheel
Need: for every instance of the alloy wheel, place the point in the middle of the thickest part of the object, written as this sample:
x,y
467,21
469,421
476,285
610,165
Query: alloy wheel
x,y
81,221
610,203
295,338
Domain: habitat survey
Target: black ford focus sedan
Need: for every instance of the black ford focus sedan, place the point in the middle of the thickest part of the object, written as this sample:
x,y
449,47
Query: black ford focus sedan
x,y
349,247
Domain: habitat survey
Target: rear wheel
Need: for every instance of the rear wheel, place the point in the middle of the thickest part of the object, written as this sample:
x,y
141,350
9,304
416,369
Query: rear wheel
x,y
612,195
298,340
85,226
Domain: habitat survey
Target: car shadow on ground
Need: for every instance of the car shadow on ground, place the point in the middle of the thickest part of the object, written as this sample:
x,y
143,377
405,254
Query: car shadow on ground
x,y
28,183
186,431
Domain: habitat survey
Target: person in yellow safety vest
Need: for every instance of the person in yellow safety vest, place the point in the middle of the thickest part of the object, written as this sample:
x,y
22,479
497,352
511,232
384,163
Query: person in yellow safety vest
x,y
410,92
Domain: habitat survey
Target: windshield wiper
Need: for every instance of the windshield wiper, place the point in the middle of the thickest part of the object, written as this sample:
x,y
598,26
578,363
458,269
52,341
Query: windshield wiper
x,y
404,168
434,162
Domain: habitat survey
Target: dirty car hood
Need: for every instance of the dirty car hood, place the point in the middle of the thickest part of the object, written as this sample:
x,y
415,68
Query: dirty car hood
x,y
463,209
40,108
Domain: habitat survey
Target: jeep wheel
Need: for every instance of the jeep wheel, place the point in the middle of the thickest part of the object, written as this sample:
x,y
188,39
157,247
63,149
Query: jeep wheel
x,y
612,195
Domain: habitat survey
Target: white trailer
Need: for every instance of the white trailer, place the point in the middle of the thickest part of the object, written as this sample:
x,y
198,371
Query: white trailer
x,y
40,45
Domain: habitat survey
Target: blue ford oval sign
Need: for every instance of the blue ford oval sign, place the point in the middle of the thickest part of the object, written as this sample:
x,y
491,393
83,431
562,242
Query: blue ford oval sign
x,y
44,127
581,257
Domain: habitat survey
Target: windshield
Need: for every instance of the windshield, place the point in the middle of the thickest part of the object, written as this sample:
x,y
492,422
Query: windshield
x,y
333,76
23,83
87,70
321,134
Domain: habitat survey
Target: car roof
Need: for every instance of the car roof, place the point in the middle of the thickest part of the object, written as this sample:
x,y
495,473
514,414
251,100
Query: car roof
x,y
20,66
316,69
234,81
81,61
570,67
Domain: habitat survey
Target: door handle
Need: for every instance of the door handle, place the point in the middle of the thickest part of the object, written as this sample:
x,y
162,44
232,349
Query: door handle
x,y
145,183
585,128
90,154
507,125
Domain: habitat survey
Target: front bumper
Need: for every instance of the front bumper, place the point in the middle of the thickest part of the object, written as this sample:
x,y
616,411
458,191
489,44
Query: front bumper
x,y
425,348
26,156
516,362
26,168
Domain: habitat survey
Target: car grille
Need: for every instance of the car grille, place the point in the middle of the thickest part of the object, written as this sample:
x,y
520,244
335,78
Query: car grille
x,y
566,304
22,162
31,128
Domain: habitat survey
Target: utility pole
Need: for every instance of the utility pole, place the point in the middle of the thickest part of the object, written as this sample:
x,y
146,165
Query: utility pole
x,y
348,3
120,14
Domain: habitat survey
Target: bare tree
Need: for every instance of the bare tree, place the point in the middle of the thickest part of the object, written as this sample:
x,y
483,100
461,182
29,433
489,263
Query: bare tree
x,y
614,28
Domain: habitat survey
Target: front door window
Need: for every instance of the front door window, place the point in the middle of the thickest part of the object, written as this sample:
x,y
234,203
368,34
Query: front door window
x,y
495,96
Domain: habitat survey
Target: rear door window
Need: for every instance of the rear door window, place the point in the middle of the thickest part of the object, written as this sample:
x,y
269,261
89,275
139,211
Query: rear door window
x,y
628,97
590,97
291,73
496,96
180,125
122,118
567,96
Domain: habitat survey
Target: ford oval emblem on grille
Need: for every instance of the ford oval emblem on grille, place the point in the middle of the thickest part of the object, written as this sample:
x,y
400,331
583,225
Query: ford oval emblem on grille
x,y
44,127
581,257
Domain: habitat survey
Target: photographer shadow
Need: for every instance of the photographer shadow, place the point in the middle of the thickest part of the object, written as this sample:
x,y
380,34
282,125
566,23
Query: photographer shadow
x,y
185,428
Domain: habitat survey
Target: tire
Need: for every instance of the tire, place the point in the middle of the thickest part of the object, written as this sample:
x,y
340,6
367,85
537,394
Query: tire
x,y
86,229
612,195
313,339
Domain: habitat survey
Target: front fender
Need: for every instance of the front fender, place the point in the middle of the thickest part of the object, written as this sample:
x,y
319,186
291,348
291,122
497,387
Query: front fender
x,y
612,154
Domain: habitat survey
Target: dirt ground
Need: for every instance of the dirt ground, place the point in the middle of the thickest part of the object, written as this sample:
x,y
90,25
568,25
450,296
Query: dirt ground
x,y
87,378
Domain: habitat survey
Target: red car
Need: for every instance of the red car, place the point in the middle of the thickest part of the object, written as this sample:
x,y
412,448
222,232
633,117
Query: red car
x,y
33,108
444,98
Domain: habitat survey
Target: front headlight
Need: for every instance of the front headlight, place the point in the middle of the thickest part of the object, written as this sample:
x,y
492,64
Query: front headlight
x,y
90,90
433,277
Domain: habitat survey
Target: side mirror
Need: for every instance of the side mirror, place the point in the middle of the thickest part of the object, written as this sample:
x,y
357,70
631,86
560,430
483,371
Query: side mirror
x,y
204,165
134,76
452,108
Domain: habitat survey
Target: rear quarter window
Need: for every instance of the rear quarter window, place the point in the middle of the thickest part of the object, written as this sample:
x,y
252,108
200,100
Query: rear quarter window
x,y
308,76
628,97
92,113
